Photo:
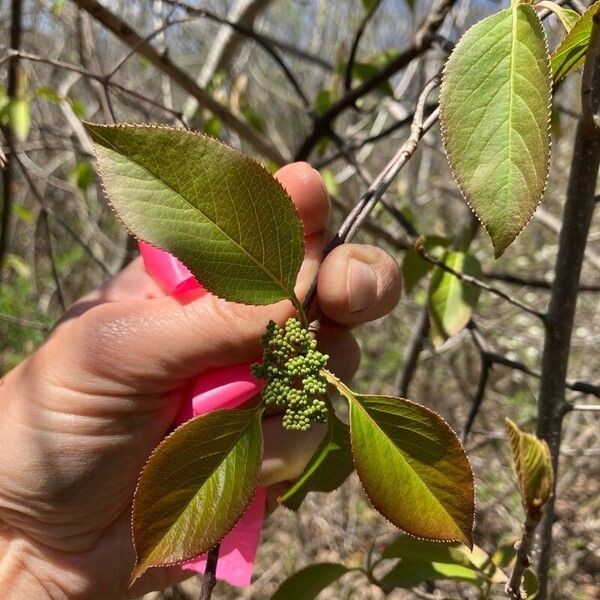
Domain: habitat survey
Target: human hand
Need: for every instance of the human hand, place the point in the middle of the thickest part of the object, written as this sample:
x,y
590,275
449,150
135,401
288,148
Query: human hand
x,y
82,414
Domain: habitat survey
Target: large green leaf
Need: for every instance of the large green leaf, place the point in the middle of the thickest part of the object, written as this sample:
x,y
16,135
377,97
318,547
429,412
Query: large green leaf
x,y
533,466
328,468
570,54
195,486
452,301
412,466
307,583
221,213
495,116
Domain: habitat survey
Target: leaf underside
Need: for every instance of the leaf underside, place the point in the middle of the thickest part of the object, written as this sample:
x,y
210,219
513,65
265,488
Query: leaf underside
x,y
452,301
224,216
195,486
411,465
570,54
495,115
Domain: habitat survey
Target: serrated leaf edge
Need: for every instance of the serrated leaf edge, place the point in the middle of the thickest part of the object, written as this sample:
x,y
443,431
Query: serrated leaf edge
x,y
443,134
335,381
250,161
136,573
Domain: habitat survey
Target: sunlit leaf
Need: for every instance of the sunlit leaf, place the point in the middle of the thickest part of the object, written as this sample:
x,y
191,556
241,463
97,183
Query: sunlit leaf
x,y
452,301
570,54
567,16
195,486
412,466
307,583
229,221
328,468
533,466
495,115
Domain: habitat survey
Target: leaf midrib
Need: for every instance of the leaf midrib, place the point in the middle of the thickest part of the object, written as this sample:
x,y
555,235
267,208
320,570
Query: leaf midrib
x,y
356,402
290,294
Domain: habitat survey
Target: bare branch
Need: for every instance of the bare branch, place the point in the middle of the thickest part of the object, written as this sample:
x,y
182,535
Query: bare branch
x,y
164,64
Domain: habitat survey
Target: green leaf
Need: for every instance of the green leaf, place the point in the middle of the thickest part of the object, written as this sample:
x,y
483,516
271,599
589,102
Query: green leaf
x,y
495,114
412,466
48,93
82,175
533,466
422,560
567,16
531,584
452,301
19,118
414,268
328,468
195,486
218,211
307,583
570,54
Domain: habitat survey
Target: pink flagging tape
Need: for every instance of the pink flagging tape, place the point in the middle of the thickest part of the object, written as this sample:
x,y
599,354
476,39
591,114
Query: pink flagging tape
x,y
213,390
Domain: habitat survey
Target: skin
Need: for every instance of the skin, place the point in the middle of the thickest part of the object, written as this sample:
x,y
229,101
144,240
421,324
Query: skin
x,y
81,415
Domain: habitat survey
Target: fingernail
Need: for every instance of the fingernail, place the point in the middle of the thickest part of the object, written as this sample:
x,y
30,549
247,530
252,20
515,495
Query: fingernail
x,y
362,285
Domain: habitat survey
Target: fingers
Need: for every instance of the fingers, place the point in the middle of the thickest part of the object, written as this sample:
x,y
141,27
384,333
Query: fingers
x,y
305,187
358,284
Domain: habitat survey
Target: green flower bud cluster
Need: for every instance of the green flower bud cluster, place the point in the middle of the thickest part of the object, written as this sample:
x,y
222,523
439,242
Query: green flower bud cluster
x,y
291,367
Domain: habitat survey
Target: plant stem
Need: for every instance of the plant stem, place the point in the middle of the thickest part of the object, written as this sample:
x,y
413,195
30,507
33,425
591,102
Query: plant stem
x,y
522,561
577,215
210,574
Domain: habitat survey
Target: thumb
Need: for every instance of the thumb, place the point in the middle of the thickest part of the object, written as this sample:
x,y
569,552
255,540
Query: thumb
x,y
156,345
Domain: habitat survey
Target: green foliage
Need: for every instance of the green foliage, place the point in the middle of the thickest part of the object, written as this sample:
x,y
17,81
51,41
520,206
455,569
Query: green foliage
x,y
567,16
195,486
19,118
570,54
328,468
422,560
411,465
292,369
495,116
452,301
533,466
82,175
218,211
307,583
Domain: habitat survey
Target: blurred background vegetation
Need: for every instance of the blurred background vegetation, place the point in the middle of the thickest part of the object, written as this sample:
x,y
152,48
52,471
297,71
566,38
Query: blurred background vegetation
x,y
62,239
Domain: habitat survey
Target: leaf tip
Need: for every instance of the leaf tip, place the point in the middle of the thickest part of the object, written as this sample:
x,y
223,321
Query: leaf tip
x,y
138,570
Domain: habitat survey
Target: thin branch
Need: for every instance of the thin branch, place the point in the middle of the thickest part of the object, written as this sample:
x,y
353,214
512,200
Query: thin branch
x,y
479,283
585,407
411,353
522,561
164,64
209,580
424,38
534,282
52,258
261,40
577,216
356,41
359,214
22,322
59,64
484,374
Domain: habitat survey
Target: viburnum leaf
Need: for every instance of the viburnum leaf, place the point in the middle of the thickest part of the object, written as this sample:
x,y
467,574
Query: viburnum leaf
x,y
224,216
411,465
452,301
533,466
495,117
570,54
195,486
328,468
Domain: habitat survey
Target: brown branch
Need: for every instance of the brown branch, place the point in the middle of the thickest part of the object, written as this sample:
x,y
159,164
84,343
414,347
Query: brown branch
x,y
164,64
534,282
479,283
8,174
209,579
522,560
424,39
577,216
